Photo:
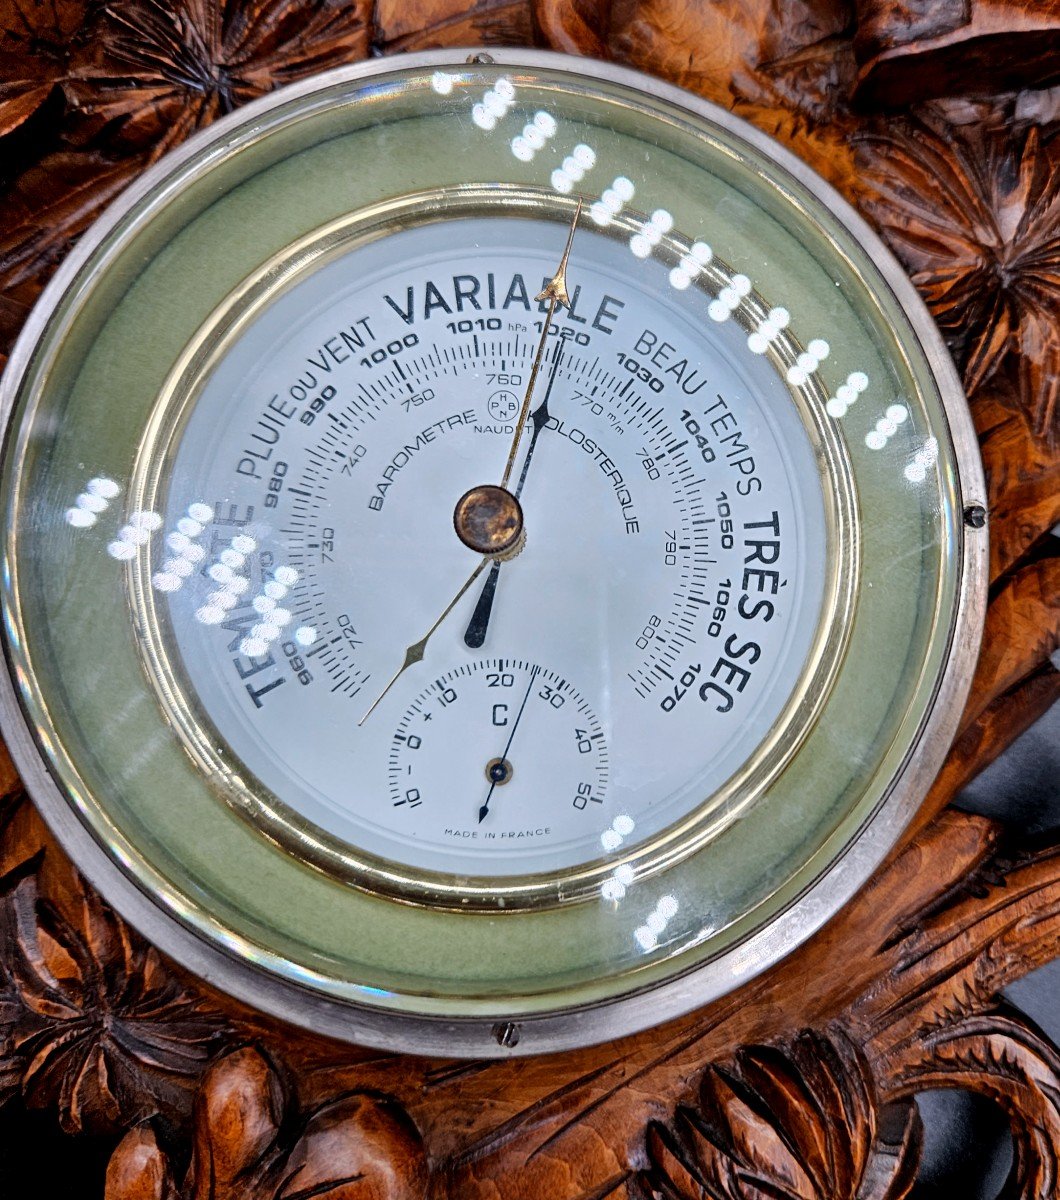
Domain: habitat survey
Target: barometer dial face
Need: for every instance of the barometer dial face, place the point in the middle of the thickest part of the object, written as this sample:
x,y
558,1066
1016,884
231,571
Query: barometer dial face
x,y
484,542
677,584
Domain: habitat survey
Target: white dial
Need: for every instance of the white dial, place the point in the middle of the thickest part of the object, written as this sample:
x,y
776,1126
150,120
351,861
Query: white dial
x,y
673,569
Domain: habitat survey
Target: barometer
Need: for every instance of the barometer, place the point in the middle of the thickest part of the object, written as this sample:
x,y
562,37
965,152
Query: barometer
x,y
493,557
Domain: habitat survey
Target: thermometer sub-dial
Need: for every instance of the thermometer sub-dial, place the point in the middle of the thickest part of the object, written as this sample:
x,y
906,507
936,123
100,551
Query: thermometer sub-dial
x,y
501,750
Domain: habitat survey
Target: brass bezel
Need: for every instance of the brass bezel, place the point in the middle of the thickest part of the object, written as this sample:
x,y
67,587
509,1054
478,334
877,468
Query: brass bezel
x,y
324,851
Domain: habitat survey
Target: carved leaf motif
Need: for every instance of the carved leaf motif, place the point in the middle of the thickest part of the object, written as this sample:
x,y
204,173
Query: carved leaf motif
x,y
138,1170
791,1124
913,50
403,25
902,21
91,1021
1000,1056
50,205
1023,479
35,45
787,67
1022,632
358,1147
974,213
575,26
761,52
10,1063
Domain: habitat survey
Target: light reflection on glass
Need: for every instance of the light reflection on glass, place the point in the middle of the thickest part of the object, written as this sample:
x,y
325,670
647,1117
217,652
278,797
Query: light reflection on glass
x,y
95,499
923,461
647,935
141,526
621,827
614,887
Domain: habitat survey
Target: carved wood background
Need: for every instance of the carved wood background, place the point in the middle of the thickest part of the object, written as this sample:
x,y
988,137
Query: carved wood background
x,y
939,121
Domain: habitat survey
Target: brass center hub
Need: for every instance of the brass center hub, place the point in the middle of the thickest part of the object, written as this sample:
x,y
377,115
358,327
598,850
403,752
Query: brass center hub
x,y
499,771
488,519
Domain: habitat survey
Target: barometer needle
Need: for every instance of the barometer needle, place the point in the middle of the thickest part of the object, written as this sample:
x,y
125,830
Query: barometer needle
x,y
555,292
483,812
414,653
480,618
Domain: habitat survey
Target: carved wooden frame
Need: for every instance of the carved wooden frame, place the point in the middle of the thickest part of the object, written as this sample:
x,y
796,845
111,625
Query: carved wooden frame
x,y
801,1084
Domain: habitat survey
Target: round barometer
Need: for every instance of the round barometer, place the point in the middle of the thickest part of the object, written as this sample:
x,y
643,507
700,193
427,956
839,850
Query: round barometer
x,y
493,553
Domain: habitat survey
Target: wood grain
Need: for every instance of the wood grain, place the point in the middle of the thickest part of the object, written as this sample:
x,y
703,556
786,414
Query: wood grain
x,y
932,119
910,50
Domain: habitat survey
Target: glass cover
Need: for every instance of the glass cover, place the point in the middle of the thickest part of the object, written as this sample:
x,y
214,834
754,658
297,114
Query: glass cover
x,y
348,709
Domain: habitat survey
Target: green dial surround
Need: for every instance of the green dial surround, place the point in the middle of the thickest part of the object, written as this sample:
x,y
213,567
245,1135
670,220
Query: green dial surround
x,y
186,838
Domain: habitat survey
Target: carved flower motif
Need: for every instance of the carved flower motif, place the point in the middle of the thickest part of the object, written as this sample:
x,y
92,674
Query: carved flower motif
x,y
974,213
36,43
799,1123
155,72
87,102
91,1020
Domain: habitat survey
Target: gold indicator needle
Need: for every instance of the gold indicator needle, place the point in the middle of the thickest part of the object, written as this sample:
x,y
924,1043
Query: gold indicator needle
x,y
555,292
487,518
414,653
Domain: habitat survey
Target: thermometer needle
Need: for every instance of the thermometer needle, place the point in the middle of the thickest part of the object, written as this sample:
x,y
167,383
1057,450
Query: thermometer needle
x,y
555,292
414,653
483,812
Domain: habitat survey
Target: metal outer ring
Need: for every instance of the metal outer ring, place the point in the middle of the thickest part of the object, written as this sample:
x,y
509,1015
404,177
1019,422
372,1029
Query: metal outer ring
x,y
572,1027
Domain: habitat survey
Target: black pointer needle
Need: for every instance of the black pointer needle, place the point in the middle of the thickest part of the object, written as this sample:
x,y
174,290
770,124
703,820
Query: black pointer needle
x,y
480,618
483,812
